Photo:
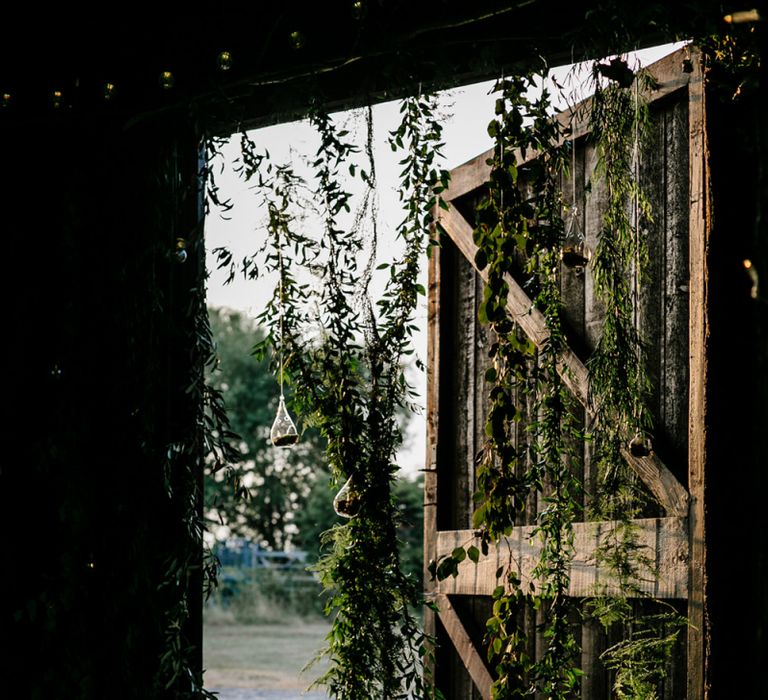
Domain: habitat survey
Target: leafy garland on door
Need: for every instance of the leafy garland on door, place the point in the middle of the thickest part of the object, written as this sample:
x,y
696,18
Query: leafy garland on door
x,y
350,384
520,232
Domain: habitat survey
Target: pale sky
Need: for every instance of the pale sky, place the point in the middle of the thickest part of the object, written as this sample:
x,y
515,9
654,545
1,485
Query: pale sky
x,y
467,112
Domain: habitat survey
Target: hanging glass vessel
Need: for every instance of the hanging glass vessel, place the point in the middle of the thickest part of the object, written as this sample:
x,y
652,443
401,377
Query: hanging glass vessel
x,y
348,500
283,433
575,254
640,445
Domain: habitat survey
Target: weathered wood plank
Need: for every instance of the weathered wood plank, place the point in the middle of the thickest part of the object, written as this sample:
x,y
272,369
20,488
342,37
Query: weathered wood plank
x,y
433,392
519,306
661,482
653,177
698,330
669,75
664,542
674,387
464,646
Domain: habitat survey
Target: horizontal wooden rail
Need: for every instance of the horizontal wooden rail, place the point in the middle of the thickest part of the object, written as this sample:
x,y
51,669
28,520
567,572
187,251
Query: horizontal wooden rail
x,y
667,490
663,542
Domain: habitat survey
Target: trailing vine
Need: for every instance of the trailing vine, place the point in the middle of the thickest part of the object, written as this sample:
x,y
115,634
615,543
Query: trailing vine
x,y
531,427
619,398
343,368
520,232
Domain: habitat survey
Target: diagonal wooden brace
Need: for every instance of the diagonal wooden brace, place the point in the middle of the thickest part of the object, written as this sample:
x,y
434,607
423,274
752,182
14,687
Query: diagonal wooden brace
x,y
464,647
669,492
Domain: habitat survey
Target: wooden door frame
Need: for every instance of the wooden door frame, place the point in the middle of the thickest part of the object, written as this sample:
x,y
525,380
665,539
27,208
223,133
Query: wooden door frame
x,y
680,536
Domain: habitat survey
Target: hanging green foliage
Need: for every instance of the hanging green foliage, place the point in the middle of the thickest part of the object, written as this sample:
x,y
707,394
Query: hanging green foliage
x,y
341,358
531,429
622,420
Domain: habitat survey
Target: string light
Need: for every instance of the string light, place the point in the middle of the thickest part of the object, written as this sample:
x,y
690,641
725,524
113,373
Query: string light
x,y
224,61
56,99
109,91
166,80
297,39
743,17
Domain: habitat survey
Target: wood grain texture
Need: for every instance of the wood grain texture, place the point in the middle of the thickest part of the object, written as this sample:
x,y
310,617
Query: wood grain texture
x,y
475,172
433,389
661,482
698,328
664,543
464,646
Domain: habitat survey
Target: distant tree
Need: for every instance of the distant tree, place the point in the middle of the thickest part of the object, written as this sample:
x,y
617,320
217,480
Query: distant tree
x,y
290,499
278,480
318,515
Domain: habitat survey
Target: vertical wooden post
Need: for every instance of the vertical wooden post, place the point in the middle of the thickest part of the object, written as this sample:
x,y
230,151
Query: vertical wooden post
x,y
433,385
699,337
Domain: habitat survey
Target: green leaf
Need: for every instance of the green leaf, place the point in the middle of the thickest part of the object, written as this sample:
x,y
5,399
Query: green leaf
x,y
458,554
474,554
482,312
478,517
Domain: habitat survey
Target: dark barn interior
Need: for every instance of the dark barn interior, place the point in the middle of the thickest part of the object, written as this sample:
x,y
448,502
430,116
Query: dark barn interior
x,y
105,366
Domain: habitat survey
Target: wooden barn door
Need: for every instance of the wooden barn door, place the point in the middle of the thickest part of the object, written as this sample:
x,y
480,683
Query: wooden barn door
x,y
673,323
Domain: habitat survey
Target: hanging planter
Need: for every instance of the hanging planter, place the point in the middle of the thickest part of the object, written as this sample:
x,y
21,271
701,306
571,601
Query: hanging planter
x,y
283,433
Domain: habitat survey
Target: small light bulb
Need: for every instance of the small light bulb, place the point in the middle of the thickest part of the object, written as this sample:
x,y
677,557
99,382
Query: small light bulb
x,y
224,61
57,98
297,40
753,277
6,99
109,91
742,17
166,80
180,252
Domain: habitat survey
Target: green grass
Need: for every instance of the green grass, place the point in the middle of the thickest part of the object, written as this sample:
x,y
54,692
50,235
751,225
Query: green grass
x,y
264,655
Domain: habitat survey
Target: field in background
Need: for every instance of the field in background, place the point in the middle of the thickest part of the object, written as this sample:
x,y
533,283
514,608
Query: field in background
x,y
264,656
261,628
